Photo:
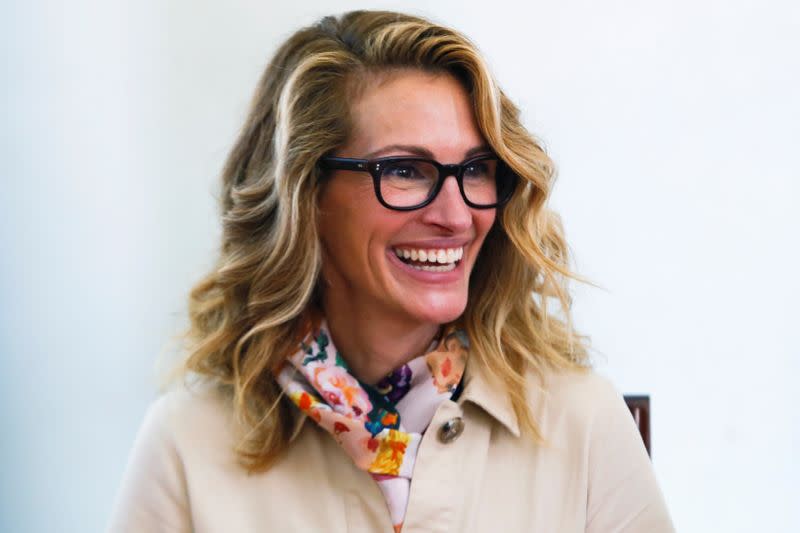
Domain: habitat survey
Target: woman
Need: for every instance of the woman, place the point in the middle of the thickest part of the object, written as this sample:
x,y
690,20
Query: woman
x,y
374,350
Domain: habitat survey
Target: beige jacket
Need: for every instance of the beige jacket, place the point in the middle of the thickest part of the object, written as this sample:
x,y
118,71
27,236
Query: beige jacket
x,y
593,473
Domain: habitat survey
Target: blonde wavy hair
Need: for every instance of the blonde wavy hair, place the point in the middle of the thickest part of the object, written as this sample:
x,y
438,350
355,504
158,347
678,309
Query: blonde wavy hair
x,y
246,314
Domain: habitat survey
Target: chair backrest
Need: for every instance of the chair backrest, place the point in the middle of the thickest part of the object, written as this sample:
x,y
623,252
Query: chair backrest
x,y
640,409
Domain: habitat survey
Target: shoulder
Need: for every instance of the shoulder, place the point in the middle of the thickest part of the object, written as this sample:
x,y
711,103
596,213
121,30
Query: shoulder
x,y
182,428
186,405
583,414
581,386
191,418
582,411
186,428
581,395
563,404
185,421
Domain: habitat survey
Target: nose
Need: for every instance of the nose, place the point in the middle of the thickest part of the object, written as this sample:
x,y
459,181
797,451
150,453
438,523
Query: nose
x,y
448,209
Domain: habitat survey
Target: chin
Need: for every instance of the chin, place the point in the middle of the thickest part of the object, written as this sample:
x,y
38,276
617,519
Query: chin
x,y
438,310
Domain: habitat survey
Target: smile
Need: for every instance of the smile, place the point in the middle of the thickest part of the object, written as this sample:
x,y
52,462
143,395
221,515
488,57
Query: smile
x,y
431,260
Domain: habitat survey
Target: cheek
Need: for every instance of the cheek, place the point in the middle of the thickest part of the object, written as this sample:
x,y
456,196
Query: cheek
x,y
484,219
353,226
339,211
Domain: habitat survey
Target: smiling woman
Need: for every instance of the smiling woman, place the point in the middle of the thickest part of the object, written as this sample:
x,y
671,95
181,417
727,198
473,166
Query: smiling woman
x,y
374,350
411,113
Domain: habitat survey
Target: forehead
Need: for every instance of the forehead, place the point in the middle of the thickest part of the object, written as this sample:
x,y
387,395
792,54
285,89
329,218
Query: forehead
x,y
413,107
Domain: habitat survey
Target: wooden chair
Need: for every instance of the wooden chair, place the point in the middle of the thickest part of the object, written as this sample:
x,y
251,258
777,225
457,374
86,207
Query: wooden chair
x,y
640,409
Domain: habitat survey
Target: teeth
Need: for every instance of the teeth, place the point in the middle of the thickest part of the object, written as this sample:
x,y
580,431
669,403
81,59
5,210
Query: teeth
x,y
442,268
441,256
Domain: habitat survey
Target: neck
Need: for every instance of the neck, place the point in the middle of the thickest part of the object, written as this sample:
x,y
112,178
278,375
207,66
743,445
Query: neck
x,y
374,343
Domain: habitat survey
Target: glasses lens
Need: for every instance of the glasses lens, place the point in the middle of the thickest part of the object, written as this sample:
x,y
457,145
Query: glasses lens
x,y
506,182
407,182
484,182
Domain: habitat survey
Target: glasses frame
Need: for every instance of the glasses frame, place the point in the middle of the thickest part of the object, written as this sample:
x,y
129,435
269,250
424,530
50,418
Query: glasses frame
x,y
375,167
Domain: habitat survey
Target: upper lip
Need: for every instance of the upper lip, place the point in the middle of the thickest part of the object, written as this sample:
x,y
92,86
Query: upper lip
x,y
434,243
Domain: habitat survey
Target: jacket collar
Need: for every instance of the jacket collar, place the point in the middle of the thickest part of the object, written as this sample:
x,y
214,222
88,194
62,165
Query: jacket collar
x,y
479,389
489,396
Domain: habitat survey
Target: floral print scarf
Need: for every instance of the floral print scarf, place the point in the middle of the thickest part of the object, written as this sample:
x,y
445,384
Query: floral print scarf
x,y
380,427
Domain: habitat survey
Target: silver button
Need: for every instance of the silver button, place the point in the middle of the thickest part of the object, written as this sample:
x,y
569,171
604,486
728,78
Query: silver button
x,y
451,429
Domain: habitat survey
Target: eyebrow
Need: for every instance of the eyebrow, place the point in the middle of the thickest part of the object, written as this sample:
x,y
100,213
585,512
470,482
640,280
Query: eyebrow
x,y
421,151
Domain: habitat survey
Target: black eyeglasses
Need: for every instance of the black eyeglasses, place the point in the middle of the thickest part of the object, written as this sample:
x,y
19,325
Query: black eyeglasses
x,y
408,183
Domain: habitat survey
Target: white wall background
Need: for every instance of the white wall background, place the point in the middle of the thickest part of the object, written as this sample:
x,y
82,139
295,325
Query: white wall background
x,y
676,128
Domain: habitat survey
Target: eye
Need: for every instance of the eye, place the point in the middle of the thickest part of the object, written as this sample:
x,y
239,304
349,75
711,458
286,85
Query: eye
x,y
476,169
407,171
400,171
